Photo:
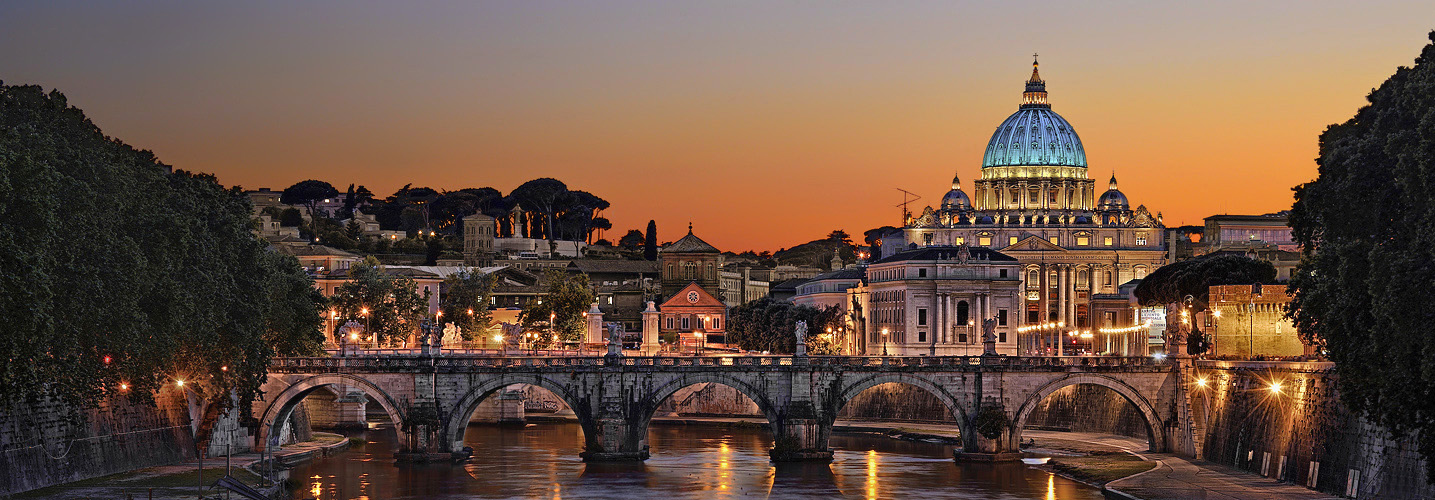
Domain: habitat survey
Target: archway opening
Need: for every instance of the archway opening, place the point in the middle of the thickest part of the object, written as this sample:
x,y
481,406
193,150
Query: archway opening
x,y
1086,417
917,411
321,412
517,425
714,421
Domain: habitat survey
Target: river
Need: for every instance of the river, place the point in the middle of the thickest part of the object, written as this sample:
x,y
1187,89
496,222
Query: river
x,y
541,461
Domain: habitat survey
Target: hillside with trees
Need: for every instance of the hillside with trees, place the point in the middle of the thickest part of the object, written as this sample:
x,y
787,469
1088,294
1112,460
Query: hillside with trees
x,y
119,276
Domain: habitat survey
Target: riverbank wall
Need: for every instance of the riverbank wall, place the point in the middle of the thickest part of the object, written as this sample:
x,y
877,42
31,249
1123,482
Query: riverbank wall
x,y
1286,421
46,443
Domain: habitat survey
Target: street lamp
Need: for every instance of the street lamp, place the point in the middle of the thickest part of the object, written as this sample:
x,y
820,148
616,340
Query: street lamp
x,y
884,342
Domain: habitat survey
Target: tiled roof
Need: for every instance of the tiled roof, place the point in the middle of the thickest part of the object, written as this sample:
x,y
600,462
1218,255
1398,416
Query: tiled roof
x,y
690,244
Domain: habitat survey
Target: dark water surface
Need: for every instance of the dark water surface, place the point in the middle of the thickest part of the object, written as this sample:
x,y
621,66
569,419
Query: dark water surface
x,y
541,461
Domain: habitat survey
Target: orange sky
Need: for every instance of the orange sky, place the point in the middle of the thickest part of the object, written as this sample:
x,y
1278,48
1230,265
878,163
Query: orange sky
x,y
764,125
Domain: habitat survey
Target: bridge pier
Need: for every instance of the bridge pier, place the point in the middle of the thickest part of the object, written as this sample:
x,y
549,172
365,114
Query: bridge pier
x,y
614,439
801,436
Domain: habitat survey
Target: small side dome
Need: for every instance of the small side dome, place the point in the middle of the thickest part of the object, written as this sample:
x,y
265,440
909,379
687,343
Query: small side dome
x,y
956,199
1113,199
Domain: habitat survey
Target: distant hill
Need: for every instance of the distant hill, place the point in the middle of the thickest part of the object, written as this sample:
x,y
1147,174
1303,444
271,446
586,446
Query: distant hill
x,y
816,253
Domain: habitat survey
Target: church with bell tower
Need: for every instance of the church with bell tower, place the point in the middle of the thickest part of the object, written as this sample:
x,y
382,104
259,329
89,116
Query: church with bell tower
x,y
1034,200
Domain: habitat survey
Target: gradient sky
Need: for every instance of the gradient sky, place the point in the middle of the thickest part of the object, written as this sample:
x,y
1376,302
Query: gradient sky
x,y
764,124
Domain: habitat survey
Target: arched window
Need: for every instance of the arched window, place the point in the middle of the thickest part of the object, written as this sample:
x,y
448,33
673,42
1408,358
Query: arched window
x,y
1140,272
1032,277
962,312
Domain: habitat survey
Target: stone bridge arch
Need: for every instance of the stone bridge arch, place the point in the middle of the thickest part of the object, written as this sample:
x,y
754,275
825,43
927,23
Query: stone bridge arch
x,y
283,405
847,392
648,404
462,410
1155,430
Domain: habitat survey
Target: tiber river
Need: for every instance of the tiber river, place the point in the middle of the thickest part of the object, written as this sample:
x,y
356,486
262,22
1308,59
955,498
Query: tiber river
x,y
541,461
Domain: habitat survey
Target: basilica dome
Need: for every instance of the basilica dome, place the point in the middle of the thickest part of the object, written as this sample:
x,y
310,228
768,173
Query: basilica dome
x,y
956,199
1112,199
1034,135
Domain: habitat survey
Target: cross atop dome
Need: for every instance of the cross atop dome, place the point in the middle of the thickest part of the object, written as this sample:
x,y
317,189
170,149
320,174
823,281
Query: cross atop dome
x,y
1035,95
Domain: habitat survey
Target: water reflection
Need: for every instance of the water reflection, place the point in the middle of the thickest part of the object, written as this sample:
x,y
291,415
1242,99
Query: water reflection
x,y
541,461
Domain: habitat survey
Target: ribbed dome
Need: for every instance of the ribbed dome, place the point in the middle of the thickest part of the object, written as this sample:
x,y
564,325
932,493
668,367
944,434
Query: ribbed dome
x,y
1112,199
956,199
1035,135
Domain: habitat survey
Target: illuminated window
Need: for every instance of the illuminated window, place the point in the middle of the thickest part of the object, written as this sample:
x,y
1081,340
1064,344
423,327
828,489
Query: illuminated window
x,y
1011,240
985,241
961,240
1106,241
1140,240
1082,241
1053,240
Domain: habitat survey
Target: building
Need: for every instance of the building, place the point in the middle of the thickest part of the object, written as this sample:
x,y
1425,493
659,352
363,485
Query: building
x,y
623,288
1035,202
1115,329
1249,320
478,231
933,300
1262,237
829,289
739,288
693,318
690,260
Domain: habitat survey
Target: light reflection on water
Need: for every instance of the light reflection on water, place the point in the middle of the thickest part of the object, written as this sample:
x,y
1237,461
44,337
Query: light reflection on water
x,y
541,461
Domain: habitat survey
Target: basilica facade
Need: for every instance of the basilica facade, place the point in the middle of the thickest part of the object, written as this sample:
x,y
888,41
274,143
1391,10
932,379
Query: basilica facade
x,y
1035,202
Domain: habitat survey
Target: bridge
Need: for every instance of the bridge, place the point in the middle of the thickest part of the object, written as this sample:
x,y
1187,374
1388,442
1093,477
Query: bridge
x,y
430,399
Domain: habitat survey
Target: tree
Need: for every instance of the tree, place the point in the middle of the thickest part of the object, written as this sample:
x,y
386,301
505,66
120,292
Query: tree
x,y
354,229
839,236
650,245
291,217
350,202
1172,283
769,324
168,284
308,193
466,302
631,241
542,196
389,306
1366,226
566,297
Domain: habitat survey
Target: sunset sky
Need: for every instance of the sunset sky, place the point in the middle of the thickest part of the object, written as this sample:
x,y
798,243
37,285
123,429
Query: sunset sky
x,y
765,124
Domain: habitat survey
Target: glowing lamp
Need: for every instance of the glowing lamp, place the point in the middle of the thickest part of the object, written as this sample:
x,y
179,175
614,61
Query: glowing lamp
x,y
179,383
1275,387
1201,382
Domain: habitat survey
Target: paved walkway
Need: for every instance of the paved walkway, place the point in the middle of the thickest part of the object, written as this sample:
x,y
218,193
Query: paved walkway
x,y
1177,478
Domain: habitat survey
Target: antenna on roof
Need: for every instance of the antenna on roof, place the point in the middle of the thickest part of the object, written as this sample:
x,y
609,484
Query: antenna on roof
x,y
907,214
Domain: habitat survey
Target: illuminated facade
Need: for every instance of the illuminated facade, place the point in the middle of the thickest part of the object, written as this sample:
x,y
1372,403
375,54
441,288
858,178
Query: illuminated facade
x,y
1035,202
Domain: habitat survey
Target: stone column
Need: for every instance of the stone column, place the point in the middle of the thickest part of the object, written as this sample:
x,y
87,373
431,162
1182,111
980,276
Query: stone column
x,y
939,331
650,328
1061,294
1071,292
